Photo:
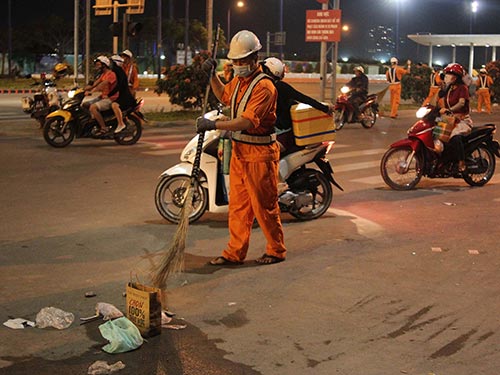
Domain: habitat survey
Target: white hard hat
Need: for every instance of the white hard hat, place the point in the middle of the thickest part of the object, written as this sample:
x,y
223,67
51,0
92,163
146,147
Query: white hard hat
x,y
118,60
243,44
275,66
360,68
103,60
393,59
127,53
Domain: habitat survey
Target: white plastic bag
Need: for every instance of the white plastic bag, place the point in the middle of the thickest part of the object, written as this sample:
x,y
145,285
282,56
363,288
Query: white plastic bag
x,y
54,317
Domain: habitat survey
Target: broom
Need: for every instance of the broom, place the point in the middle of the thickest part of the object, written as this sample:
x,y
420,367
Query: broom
x,y
173,262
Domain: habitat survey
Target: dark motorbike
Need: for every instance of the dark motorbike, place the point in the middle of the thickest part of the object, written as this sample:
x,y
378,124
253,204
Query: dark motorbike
x,y
344,110
45,101
74,120
407,160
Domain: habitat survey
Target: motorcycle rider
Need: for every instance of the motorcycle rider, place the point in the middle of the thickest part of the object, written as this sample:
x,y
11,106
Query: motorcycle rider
x,y
455,94
105,84
394,75
288,96
359,89
254,162
125,99
60,71
131,71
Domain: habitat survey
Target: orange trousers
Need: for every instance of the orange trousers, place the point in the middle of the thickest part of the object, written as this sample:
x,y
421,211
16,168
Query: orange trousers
x,y
432,95
483,97
253,194
395,90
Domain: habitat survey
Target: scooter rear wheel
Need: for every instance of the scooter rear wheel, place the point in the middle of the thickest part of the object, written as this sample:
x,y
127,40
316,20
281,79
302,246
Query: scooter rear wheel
x,y
132,133
170,194
395,171
480,166
370,117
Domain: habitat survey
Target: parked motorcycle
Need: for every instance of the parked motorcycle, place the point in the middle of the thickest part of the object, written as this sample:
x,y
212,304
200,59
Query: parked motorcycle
x,y
407,160
306,192
344,110
45,101
75,120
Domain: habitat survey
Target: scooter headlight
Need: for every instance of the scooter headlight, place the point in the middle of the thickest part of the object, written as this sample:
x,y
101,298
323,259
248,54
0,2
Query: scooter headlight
x,y
71,94
423,111
345,90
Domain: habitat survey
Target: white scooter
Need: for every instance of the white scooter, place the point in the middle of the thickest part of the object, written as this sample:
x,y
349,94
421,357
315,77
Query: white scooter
x,y
303,191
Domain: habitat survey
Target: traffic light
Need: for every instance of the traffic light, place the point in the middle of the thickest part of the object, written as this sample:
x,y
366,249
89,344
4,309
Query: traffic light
x,y
134,28
116,28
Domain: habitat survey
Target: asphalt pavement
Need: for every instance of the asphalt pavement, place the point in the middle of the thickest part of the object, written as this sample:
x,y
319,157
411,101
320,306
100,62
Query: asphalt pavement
x,y
385,283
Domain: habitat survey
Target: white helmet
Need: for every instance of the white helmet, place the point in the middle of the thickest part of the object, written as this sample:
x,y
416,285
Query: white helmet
x,y
243,44
103,60
394,60
360,68
275,66
128,53
118,60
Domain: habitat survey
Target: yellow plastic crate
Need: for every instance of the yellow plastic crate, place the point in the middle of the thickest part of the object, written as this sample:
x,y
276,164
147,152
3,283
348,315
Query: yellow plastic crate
x,y
310,125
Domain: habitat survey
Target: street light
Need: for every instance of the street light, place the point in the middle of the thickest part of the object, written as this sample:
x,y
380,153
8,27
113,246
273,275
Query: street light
x,y
239,4
474,5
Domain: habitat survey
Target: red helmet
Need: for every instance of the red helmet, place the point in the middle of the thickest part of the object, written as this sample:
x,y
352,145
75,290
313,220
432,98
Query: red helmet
x,y
455,69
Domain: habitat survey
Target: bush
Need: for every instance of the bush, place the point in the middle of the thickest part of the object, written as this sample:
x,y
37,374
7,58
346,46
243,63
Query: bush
x,y
416,84
493,68
186,85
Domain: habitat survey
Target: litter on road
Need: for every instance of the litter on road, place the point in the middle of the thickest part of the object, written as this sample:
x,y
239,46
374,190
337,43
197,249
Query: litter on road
x,y
54,317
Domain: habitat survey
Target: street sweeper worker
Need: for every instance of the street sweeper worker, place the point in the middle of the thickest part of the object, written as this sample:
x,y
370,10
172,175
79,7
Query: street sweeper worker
x,y
254,162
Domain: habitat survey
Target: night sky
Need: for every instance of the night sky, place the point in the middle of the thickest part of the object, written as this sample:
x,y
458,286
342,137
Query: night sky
x,y
260,16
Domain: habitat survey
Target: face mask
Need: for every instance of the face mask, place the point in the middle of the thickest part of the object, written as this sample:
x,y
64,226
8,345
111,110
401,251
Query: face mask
x,y
242,70
448,79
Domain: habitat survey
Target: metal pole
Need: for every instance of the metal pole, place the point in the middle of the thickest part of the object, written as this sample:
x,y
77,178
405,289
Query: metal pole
x,y
229,23
75,40
281,30
335,57
87,41
322,68
268,42
125,20
397,29
158,37
10,37
210,22
186,33
115,20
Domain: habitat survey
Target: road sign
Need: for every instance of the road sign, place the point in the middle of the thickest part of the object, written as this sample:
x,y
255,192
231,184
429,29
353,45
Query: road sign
x,y
280,38
135,6
103,7
323,25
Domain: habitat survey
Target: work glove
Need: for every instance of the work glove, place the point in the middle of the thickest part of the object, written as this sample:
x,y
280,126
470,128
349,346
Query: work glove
x,y
209,66
203,124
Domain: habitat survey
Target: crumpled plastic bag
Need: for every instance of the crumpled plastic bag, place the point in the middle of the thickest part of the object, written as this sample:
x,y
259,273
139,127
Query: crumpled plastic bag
x,y
107,310
18,323
122,335
102,368
54,317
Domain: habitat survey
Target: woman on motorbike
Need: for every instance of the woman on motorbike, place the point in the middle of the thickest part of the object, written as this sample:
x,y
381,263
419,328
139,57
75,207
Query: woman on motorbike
x,y
288,96
455,94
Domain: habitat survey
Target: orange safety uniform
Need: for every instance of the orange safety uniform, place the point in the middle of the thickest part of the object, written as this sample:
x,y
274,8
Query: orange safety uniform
x,y
132,76
253,174
483,92
436,81
394,76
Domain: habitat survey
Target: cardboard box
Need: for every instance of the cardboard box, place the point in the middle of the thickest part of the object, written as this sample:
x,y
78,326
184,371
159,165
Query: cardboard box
x,y
311,125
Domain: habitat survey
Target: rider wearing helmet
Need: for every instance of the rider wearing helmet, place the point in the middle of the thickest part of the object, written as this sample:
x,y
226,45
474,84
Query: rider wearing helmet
x,y
131,71
455,94
359,89
288,96
60,70
255,152
105,84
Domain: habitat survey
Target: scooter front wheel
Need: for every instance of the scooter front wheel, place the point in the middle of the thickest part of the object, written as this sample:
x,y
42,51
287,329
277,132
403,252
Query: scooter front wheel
x,y
339,119
58,133
398,171
170,195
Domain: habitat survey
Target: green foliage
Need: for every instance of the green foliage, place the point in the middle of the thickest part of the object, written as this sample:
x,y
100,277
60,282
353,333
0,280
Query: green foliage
x,y
493,68
186,85
416,84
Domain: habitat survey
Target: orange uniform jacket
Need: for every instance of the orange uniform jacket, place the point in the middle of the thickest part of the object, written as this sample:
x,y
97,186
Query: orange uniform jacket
x,y
434,88
394,76
132,76
254,173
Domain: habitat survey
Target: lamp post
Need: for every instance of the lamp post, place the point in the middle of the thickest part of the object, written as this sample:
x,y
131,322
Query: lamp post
x,y
473,10
239,4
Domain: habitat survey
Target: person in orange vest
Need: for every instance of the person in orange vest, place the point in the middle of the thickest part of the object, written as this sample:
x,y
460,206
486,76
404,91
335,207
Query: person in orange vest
x,y
131,71
484,83
394,75
253,171
436,83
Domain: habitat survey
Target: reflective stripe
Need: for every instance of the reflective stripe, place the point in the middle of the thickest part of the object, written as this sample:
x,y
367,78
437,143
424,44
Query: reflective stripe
x,y
254,139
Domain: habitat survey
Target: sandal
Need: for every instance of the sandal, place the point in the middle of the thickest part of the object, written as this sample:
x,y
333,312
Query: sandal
x,y
268,259
221,261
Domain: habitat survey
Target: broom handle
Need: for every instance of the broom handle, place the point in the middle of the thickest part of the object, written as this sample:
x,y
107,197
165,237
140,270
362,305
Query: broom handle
x,y
201,136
